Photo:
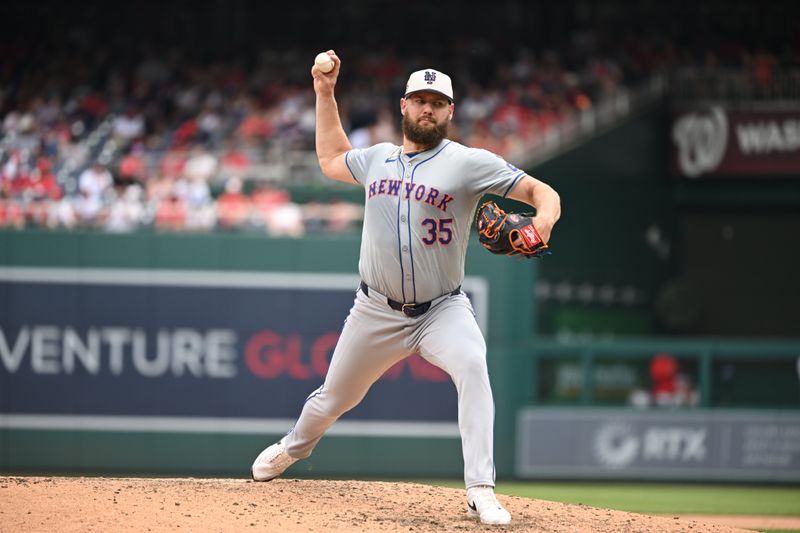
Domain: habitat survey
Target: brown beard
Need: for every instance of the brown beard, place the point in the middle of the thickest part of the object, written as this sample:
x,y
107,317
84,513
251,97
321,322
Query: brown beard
x,y
426,137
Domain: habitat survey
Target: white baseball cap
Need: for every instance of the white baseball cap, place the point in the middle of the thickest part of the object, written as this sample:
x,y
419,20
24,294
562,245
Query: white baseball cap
x,y
430,80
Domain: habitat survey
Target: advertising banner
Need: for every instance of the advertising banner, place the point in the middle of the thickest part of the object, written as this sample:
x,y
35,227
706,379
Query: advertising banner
x,y
711,142
190,349
688,445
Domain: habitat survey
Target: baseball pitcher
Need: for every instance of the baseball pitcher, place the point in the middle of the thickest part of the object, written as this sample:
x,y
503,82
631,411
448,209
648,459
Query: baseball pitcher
x,y
419,204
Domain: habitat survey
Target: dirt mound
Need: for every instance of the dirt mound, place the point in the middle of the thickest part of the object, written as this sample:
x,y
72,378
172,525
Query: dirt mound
x,y
226,505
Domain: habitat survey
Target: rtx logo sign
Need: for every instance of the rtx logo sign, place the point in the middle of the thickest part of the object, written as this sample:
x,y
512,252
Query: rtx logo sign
x,y
619,445
674,444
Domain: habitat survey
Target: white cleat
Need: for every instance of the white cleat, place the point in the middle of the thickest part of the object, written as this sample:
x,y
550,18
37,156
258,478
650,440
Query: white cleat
x,y
482,504
271,462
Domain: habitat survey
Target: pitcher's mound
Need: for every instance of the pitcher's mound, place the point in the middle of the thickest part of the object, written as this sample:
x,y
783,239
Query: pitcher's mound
x,y
287,505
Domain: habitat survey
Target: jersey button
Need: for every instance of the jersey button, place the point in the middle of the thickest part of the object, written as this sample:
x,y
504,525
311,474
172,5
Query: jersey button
x,y
408,276
405,248
402,218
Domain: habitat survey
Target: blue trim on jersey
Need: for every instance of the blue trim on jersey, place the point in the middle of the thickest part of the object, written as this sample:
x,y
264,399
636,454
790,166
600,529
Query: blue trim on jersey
x,y
410,248
350,169
516,178
437,153
399,246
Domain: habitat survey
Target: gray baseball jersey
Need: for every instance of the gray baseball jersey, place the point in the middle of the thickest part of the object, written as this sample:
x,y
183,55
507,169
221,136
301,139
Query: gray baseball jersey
x,y
417,221
418,213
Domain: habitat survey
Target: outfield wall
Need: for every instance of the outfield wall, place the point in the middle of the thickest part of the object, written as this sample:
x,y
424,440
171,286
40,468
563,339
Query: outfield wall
x,y
179,354
186,354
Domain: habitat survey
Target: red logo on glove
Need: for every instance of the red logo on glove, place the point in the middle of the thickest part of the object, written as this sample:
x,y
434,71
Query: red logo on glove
x,y
530,235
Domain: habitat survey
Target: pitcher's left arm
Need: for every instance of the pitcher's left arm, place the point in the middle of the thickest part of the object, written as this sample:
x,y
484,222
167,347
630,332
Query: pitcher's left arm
x,y
544,198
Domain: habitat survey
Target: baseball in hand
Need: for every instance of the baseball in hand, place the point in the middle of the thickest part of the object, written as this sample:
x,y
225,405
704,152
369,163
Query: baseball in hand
x,y
324,62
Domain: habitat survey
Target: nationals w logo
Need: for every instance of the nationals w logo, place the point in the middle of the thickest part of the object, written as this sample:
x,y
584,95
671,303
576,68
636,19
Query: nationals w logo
x,y
701,141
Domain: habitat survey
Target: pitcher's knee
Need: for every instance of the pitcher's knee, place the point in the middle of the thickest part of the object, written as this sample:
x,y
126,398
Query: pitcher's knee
x,y
468,367
474,361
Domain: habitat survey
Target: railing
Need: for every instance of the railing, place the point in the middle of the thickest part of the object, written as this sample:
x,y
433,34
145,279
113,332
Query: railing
x,y
587,123
735,85
120,215
770,367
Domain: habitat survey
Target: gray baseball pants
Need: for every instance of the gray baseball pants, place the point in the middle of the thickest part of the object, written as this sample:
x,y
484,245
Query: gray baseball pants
x,y
373,339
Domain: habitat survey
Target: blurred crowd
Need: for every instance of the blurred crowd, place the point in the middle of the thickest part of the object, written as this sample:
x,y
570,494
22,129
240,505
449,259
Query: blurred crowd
x,y
169,144
123,137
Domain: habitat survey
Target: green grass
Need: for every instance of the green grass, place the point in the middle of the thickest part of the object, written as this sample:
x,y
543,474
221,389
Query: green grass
x,y
661,498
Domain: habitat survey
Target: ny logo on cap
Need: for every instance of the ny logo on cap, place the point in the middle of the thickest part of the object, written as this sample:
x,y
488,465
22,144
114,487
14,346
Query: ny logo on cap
x,y
430,77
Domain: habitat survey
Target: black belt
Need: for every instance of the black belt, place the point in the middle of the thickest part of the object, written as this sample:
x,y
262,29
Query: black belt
x,y
411,310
